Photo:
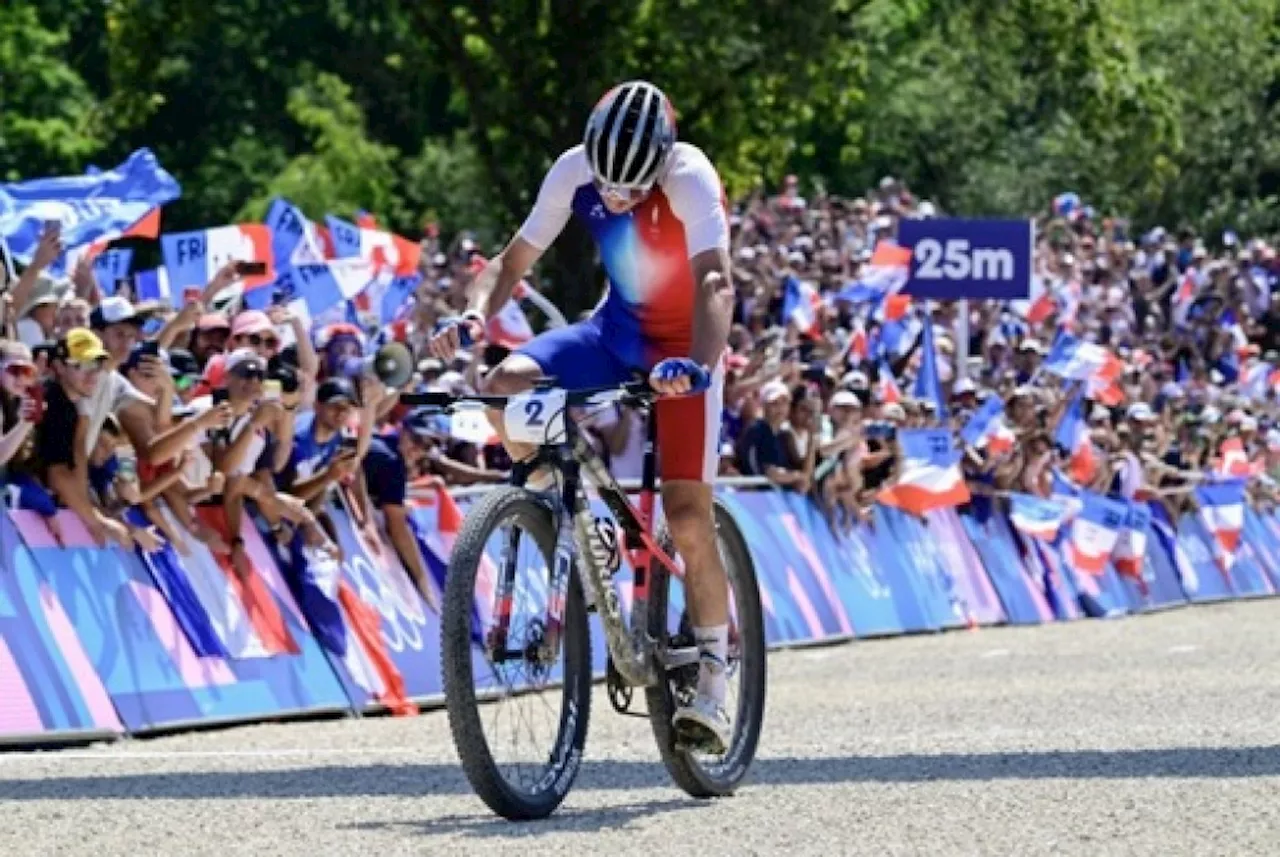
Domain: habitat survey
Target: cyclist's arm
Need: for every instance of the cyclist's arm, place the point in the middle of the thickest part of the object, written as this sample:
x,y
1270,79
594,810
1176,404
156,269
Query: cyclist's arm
x,y
493,286
693,188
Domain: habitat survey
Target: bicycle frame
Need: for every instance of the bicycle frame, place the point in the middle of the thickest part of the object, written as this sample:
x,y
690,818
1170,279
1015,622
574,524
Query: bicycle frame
x,y
630,646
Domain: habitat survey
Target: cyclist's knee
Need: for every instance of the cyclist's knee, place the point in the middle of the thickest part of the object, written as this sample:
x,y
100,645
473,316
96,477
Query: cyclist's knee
x,y
688,515
513,375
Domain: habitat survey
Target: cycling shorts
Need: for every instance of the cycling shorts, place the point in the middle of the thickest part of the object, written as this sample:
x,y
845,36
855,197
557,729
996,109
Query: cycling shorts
x,y
580,356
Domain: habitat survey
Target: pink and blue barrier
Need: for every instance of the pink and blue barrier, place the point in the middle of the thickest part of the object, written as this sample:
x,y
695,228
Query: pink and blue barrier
x,y
97,642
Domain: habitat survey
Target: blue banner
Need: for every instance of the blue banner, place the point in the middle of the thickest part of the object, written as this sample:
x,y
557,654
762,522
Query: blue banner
x,y
954,258
111,265
91,206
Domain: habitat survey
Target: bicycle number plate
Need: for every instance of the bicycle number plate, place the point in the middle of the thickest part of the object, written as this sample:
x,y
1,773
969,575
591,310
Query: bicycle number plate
x,y
536,417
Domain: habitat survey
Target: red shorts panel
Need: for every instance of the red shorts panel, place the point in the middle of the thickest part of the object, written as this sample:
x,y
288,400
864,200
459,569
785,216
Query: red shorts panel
x,y
689,434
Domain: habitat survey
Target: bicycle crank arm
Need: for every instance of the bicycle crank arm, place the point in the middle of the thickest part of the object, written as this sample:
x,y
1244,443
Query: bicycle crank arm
x,y
674,659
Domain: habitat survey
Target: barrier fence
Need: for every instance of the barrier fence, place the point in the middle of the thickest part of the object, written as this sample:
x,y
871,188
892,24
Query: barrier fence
x,y
96,643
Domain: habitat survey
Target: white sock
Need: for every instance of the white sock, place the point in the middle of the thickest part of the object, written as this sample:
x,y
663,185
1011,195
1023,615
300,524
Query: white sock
x,y
713,655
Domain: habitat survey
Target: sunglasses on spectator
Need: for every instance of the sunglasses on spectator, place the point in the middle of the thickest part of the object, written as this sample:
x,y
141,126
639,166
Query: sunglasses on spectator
x,y
20,370
257,340
249,374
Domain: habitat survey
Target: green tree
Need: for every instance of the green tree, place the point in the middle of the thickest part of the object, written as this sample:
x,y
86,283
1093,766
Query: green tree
x,y
49,120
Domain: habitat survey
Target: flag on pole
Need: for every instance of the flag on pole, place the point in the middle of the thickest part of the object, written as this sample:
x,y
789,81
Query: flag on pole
x,y
887,390
1074,358
1073,436
927,386
800,306
930,476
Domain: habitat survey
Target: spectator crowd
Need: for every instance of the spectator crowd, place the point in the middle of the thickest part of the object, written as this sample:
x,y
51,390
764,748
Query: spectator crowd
x,y
156,423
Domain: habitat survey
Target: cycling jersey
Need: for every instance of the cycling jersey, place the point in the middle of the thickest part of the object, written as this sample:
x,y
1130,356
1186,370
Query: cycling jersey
x,y
646,250
647,313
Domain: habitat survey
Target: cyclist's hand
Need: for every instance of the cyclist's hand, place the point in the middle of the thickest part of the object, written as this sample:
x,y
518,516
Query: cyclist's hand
x,y
455,332
677,376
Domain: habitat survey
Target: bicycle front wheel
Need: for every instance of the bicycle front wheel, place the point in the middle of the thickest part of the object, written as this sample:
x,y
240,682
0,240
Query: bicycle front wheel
x,y
518,708
704,775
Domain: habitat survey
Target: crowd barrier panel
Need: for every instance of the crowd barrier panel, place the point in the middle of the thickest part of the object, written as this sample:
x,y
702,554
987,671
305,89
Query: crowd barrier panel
x,y
99,642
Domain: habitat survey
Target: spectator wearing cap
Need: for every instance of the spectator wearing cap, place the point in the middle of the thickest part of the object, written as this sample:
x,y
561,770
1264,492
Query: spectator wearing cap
x,y
72,313
37,319
245,456
760,451
209,337
78,362
838,474
254,329
318,458
1027,360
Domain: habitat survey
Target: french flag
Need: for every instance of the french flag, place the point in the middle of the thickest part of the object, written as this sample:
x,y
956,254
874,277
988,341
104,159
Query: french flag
x,y
888,269
192,258
1076,359
294,238
312,290
384,249
886,385
1094,534
1233,461
1131,547
1104,384
1042,304
984,423
1259,379
1185,296
1222,511
800,306
1036,517
928,386
931,477
1073,436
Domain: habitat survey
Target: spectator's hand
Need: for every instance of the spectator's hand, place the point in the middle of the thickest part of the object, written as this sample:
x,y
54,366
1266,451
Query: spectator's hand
x,y
154,370
217,417
30,410
225,277
104,529
49,248
372,391
342,466
127,490
83,277
148,538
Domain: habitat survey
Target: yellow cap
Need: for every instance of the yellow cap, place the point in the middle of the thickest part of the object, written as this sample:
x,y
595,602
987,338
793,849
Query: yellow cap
x,y
84,346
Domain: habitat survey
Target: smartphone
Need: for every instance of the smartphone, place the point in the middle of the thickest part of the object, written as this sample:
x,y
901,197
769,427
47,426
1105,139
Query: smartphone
x,y
36,394
150,348
348,443
251,269
271,389
220,395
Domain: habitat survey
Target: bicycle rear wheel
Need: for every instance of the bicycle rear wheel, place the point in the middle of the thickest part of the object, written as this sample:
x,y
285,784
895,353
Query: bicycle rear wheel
x,y
703,775
498,698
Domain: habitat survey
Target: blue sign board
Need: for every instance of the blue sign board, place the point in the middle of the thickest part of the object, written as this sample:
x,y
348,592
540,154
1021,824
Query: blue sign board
x,y
954,258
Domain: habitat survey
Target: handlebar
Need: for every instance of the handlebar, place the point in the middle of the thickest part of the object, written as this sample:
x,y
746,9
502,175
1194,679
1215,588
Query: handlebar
x,y
634,392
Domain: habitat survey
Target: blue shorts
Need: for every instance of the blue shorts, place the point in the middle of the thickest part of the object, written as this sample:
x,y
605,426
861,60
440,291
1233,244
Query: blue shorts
x,y
585,354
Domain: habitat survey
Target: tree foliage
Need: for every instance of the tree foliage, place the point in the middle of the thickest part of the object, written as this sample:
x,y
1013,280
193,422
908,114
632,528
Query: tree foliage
x,y
451,110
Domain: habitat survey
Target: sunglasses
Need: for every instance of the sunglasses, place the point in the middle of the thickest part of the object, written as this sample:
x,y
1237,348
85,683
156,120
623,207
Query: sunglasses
x,y
622,193
250,374
20,370
257,340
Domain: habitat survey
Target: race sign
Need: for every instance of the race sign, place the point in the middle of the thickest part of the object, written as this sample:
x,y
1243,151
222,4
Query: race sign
x,y
955,258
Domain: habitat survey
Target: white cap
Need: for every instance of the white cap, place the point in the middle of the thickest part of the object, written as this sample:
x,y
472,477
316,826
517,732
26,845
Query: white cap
x,y
855,380
796,257
1141,411
845,399
773,391
964,385
1248,424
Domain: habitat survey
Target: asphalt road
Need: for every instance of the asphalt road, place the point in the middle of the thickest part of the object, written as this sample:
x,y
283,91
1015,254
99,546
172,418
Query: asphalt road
x,y
1156,735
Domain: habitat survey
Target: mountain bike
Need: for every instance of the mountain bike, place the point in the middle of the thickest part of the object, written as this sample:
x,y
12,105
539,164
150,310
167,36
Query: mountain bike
x,y
514,611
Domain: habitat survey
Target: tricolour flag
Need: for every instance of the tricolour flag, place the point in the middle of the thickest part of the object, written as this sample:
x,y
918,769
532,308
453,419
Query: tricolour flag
x,y
1036,517
887,391
91,207
193,258
1233,461
800,306
1073,435
317,289
1222,511
928,387
983,421
385,250
930,476
153,285
1094,533
1131,547
1104,384
1074,358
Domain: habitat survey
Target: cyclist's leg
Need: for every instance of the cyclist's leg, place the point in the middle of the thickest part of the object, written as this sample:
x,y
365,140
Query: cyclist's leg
x,y
688,443
576,356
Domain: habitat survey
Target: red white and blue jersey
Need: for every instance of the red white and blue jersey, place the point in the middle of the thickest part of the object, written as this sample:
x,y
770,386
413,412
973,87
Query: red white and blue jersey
x,y
648,307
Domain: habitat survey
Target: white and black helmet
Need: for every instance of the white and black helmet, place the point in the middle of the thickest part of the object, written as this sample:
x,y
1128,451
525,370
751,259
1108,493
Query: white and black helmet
x,y
629,135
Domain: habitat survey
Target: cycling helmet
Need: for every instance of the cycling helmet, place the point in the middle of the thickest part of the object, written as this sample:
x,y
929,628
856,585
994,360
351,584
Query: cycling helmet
x,y
629,135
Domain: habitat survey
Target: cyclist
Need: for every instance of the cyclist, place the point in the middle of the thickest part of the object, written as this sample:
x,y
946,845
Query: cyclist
x,y
657,211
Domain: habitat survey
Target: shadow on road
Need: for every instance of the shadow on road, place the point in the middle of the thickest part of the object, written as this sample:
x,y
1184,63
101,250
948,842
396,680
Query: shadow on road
x,y
412,780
